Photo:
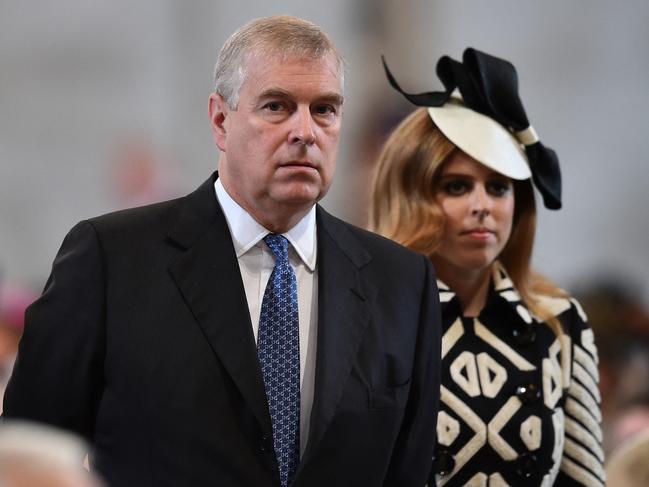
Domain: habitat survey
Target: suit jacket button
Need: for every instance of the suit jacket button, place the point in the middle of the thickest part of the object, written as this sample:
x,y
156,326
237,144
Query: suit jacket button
x,y
443,462
266,444
528,393
524,335
526,465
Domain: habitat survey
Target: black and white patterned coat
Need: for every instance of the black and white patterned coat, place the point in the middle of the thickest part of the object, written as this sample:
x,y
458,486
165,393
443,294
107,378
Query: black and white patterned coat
x,y
519,405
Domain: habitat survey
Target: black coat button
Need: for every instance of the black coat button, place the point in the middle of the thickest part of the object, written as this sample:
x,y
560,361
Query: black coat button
x,y
524,335
443,462
526,465
266,444
528,393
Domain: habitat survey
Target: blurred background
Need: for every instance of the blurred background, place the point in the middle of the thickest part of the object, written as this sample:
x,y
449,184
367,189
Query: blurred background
x,y
103,105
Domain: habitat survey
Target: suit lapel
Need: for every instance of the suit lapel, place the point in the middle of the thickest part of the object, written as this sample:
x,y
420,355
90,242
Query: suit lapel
x,y
208,277
343,315
207,274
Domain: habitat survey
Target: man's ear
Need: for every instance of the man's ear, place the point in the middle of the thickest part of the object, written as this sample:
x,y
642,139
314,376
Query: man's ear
x,y
218,110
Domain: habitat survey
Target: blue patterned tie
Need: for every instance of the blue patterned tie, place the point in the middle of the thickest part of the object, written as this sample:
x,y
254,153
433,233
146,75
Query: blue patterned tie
x,y
278,347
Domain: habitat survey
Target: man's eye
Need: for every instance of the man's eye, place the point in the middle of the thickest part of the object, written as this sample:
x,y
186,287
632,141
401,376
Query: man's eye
x,y
325,110
455,187
274,106
499,188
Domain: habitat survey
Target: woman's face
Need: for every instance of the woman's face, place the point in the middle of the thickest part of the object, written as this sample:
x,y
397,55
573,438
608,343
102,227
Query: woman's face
x,y
478,205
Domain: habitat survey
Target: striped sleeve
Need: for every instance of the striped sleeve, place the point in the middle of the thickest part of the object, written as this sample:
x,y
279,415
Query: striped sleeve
x,y
583,457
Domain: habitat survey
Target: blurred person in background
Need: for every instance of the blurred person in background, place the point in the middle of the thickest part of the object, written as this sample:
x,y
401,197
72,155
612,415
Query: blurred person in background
x,y
520,401
13,303
628,465
34,455
241,335
621,323
628,415
137,174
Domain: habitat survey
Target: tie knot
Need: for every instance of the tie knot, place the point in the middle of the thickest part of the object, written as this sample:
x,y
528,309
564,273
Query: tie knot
x,y
278,245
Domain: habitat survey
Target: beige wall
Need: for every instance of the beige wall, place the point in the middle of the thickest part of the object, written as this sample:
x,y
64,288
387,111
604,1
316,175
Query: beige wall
x,y
79,77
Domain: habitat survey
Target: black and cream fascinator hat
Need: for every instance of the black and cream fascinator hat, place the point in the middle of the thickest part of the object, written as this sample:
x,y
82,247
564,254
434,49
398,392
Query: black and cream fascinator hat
x,y
481,113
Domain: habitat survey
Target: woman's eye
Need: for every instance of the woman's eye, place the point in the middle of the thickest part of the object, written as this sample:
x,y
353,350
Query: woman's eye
x,y
499,188
455,187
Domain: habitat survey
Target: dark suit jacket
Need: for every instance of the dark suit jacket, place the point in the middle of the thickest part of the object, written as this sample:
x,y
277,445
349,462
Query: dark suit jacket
x,y
142,342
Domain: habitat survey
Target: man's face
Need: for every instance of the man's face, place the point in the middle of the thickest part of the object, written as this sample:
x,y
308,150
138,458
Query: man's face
x,y
279,146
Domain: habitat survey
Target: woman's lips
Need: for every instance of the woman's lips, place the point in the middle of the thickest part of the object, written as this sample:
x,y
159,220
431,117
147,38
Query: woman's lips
x,y
478,233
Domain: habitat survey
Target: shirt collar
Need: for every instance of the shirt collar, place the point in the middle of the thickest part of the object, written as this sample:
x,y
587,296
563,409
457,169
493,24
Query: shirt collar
x,y
247,232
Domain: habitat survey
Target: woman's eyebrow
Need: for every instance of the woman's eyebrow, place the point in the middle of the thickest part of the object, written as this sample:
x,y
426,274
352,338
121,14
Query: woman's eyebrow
x,y
455,175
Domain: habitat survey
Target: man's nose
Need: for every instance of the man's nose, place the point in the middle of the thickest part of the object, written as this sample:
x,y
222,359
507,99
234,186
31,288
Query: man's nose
x,y
303,130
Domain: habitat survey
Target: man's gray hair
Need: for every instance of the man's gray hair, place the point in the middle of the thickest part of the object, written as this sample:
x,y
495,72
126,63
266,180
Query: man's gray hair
x,y
283,36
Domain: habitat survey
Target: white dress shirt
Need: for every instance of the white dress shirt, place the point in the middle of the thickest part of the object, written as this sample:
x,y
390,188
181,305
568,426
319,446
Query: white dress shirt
x,y
256,262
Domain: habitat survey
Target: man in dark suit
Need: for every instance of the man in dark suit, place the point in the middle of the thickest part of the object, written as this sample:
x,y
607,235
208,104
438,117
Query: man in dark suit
x,y
241,335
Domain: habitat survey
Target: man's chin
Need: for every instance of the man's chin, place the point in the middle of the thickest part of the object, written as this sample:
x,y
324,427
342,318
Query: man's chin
x,y
299,195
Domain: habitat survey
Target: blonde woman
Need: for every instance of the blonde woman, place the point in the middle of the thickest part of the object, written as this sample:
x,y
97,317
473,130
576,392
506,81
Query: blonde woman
x,y
455,181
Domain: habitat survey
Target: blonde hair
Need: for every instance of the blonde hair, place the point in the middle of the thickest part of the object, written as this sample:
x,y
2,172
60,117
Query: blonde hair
x,y
403,206
280,35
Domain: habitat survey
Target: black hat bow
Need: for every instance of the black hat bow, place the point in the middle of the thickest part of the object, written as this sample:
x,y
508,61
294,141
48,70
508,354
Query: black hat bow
x,y
489,85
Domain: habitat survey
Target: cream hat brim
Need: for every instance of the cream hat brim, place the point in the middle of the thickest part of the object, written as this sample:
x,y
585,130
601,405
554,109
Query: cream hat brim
x,y
482,138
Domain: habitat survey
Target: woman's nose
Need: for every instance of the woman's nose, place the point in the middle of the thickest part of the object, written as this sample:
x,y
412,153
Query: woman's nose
x,y
481,201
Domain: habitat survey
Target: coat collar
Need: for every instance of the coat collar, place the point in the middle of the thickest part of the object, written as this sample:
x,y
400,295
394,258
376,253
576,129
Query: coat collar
x,y
208,276
502,292
344,303
501,288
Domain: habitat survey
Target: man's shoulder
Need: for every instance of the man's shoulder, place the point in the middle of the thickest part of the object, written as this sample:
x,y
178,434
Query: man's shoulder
x,y
196,207
143,218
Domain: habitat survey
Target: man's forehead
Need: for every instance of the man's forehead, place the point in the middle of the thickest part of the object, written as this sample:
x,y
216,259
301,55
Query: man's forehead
x,y
274,55
319,77
332,96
